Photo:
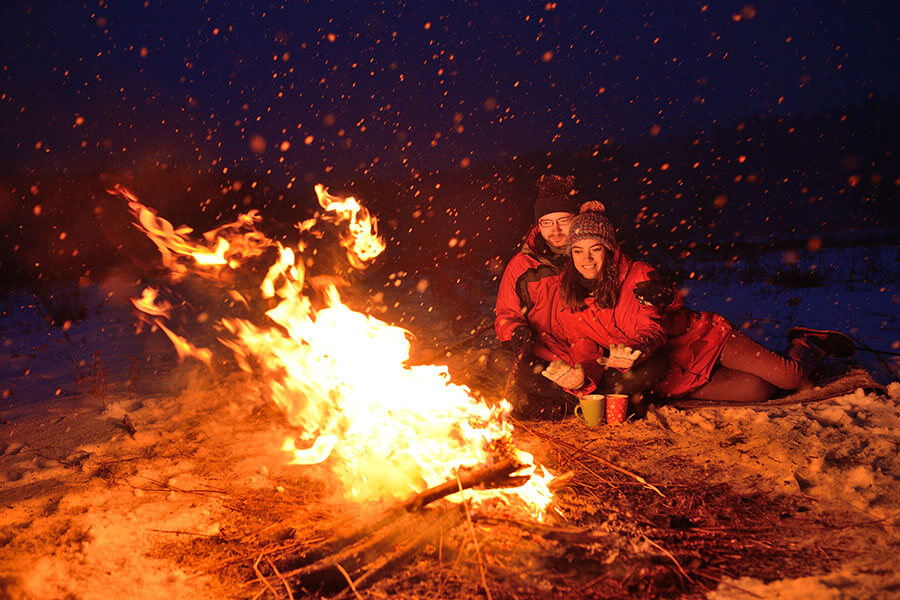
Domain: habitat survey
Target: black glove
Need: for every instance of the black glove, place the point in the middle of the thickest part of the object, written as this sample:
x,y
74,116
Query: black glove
x,y
656,291
522,340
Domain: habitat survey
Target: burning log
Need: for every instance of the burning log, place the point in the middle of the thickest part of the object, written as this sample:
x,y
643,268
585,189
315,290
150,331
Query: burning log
x,y
362,556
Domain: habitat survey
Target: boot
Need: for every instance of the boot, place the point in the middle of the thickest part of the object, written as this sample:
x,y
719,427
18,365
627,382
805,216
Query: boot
x,y
833,343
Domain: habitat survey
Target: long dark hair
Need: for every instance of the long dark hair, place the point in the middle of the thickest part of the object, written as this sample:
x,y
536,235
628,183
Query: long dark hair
x,y
575,289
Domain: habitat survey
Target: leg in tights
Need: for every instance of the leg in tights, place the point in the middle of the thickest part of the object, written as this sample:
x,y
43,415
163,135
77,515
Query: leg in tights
x,y
748,372
729,385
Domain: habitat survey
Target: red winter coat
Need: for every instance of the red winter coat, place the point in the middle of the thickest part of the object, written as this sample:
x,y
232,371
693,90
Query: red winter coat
x,y
692,341
583,336
516,301
695,342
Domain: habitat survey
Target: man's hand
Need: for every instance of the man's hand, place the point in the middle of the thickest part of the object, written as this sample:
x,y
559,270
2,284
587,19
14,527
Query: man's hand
x,y
620,357
522,340
655,291
563,375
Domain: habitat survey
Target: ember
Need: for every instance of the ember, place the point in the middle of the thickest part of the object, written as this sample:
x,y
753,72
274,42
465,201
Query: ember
x,y
385,429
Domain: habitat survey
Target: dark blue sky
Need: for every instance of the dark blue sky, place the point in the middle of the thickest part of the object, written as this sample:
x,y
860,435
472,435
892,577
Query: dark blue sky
x,y
389,87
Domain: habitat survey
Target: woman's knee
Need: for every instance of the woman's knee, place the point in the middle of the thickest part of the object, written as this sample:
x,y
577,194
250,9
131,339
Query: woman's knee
x,y
757,389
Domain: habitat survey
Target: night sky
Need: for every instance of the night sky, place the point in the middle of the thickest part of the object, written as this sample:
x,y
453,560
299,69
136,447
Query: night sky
x,y
304,89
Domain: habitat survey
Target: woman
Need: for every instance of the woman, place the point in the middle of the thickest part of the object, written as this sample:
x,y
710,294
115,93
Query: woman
x,y
707,358
594,309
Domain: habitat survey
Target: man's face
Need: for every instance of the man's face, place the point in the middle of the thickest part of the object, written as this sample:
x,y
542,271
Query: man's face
x,y
555,229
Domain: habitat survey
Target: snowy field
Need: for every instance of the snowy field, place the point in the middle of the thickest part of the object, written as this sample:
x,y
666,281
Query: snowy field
x,y
93,511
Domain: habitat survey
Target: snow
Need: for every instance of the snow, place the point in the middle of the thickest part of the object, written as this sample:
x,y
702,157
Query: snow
x,y
90,511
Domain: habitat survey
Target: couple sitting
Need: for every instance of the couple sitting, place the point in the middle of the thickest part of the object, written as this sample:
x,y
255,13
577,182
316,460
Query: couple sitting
x,y
572,309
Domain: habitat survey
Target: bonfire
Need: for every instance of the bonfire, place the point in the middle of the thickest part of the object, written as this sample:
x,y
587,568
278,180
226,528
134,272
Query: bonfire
x,y
386,429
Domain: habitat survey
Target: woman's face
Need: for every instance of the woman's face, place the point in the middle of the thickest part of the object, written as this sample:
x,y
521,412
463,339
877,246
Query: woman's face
x,y
588,256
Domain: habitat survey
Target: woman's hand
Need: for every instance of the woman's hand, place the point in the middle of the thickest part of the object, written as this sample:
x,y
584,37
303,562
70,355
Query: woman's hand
x,y
563,375
620,357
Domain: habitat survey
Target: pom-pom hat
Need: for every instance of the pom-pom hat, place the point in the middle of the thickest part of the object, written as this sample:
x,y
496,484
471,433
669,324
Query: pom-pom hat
x,y
555,194
592,223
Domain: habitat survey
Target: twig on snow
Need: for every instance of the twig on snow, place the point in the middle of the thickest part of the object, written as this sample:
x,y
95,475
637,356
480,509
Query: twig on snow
x,y
279,576
349,580
670,555
481,569
603,461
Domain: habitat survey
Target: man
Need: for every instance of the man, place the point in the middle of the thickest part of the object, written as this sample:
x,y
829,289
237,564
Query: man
x,y
543,254
519,322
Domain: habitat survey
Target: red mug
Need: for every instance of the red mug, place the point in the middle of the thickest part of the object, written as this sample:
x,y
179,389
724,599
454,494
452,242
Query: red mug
x,y
616,408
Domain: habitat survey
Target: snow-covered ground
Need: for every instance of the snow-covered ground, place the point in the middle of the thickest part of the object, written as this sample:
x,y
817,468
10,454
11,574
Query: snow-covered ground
x,y
91,511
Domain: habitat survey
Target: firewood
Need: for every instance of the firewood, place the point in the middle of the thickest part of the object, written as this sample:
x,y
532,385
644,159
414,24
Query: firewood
x,y
403,521
372,572
366,560
574,535
484,476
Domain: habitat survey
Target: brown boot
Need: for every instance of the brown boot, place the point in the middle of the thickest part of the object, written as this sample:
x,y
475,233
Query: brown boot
x,y
833,343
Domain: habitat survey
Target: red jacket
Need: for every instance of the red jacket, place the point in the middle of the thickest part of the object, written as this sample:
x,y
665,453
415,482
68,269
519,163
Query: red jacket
x,y
516,301
692,341
695,342
583,336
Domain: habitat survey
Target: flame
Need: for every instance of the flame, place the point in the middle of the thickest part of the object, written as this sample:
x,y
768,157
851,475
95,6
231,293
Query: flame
x,y
232,243
147,303
384,428
150,304
363,243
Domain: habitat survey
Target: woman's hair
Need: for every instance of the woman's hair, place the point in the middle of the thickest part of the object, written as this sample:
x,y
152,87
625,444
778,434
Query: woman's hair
x,y
575,289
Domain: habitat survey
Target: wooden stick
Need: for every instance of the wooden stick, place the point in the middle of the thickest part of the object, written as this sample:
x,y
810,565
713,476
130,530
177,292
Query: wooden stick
x,y
448,519
481,568
389,525
349,580
279,576
467,480
669,554
879,354
728,583
346,555
578,535
262,577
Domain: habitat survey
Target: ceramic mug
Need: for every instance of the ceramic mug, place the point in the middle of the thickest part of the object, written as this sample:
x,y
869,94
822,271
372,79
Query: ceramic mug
x,y
590,408
616,408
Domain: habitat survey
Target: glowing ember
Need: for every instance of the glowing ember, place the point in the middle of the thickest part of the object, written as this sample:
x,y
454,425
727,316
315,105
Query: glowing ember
x,y
386,430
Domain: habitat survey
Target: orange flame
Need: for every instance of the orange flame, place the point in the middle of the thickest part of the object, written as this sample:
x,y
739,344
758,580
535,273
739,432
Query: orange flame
x,y
386,429
229,245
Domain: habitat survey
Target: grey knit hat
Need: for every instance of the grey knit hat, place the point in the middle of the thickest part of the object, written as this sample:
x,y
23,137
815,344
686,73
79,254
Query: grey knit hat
x,y
592,223
555,194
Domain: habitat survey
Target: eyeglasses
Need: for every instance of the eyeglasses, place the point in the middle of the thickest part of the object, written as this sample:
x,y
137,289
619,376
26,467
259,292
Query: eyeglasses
x,y
562,222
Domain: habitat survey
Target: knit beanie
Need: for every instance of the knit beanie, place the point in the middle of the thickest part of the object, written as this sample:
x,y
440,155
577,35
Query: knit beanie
x,y
555,194
592,223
